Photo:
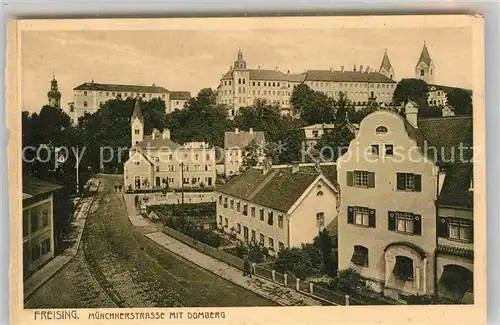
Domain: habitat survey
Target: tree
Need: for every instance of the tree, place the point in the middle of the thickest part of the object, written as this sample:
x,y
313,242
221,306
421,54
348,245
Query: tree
x,y
333,144
250,156
296,261
313,106
349,282
410,89
341,106
327,245
460,100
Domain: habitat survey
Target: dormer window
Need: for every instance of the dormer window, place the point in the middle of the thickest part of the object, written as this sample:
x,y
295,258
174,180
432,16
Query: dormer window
x,y
381,130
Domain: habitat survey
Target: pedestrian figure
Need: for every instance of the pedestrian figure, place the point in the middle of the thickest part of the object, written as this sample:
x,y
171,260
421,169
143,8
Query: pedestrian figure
x,y
247,267
120,187
116,188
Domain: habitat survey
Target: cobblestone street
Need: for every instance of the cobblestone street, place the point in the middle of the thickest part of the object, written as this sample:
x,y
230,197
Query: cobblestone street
x,y
117,266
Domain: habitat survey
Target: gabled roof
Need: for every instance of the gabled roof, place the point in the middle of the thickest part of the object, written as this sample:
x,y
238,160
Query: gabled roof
x,y
117,87
33,186
346,76
447,89
425,57
455,191
180,95
319,126
241,139
447,134
386,64
157,143
278,189
272,75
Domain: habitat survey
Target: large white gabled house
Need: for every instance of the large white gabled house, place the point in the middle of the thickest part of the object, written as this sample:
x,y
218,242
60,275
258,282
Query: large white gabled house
x,y
157,162
279,206
405,217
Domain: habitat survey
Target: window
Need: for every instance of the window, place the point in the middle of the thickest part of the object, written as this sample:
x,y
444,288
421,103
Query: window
x,y
226,223
460,229
232,204
375,149
225,202
405,222
281,246
361,216
270,218
45,246
220,199
409,182
238,206
157,168
261,239
34,222
245,209
261,214
220,219
271,243
422,72
85,93
403,269
85,104
238,228
45,218
361,178
136,131
252,212
253,236
280,221
315,133
360,255
389,150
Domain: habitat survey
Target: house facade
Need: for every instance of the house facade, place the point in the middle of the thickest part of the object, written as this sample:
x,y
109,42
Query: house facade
x,y
235,144
156,162
390,184
279,206
38,223
88,97
240,86
312,133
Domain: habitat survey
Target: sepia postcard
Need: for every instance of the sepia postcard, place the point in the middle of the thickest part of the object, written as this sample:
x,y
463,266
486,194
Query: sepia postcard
x,y
211,170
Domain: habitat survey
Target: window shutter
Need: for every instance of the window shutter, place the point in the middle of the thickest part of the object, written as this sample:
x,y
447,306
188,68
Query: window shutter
x,y
391,221
371,218
417,224
442,227
350,215
349,178
400,181
371,179
418,182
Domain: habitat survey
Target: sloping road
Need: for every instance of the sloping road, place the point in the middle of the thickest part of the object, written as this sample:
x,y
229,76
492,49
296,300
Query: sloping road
x,y
118,266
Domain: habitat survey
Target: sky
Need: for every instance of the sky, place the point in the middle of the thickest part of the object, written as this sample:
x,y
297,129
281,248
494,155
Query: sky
x,y
194,59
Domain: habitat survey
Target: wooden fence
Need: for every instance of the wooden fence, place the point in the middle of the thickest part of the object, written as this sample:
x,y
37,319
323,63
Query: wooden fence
x,y
287,280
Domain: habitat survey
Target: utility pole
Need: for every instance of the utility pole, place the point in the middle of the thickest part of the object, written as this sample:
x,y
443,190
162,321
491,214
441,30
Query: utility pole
x,y
182,183
77,171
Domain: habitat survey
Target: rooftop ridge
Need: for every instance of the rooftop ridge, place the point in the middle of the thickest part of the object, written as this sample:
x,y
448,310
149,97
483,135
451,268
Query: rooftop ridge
x,y
266,181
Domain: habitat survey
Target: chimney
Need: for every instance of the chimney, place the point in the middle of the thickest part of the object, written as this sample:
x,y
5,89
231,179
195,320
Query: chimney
x,y
166,134
276,68
342,68
153,134
330,69
251,130
153,85
295,167
411,113
236,130
354,68
361,68
288,72
259,67
267,165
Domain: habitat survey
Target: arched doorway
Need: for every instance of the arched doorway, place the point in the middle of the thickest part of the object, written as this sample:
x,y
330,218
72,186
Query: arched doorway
x,y
157,182
455,281
137,182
